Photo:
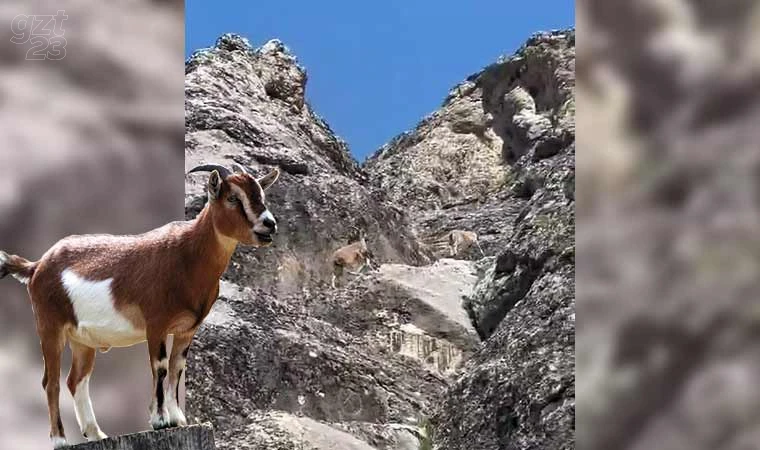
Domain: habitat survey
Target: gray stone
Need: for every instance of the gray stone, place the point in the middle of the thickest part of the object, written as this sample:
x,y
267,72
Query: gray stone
x,y
371,363
194,437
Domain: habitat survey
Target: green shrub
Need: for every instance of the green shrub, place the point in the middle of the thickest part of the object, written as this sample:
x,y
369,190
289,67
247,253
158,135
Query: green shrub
x,y
426,434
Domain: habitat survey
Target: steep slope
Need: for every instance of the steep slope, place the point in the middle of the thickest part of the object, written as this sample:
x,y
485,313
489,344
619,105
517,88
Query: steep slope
x,y
282,356
247,105
458,168
498,159
285,362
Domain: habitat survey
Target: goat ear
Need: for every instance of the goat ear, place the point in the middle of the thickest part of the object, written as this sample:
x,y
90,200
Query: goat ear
x,y
268,180
214,184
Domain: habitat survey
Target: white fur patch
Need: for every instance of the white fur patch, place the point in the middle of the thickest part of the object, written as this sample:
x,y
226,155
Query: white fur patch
x,y
158,421
256,221
266,215
161,364
84,412
3,259
58,441
99,323
21,278
246,203
259,224
172,406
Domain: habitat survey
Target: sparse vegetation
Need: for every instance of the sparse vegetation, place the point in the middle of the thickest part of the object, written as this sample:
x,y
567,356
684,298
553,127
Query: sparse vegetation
x,y
426,434
543,222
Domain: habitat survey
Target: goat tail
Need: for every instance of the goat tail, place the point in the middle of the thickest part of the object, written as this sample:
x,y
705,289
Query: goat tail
x,y
18,267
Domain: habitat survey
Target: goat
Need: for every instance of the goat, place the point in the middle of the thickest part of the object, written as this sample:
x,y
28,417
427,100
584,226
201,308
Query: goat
x,y
351,256
102,291
460,240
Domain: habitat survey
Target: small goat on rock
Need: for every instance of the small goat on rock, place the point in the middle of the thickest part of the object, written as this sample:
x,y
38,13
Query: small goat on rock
x,y
460,240
352,256
102,291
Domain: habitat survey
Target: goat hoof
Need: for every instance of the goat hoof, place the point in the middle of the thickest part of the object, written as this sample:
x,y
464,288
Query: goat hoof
x,y
161,426
95,435
59,442
160,423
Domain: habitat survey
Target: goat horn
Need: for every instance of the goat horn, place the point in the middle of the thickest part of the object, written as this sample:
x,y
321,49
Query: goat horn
x,y
237,168
223,171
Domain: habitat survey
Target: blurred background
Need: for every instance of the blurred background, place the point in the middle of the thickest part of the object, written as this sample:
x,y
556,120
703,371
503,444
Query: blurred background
x,y
92,142
668,233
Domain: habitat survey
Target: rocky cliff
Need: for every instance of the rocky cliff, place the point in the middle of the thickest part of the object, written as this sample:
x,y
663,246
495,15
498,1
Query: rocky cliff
x,y
247,105
498,158
463,166
392,359
367,360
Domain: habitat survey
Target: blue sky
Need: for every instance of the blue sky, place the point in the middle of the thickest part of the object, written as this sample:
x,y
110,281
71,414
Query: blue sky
x,y
377,68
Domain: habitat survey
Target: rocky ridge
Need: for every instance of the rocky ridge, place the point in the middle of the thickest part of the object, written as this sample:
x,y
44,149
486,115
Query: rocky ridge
x,y
462,167
365,360
283,359
247,105
498,158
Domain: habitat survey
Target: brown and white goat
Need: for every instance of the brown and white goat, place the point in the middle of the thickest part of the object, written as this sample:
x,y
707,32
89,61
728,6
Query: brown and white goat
x,y
352,256
102,291
460,240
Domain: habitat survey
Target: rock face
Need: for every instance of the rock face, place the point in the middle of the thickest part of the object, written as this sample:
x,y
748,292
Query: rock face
x,y
367,360
284,361
247,105
281,430
507,136
258,353
460,167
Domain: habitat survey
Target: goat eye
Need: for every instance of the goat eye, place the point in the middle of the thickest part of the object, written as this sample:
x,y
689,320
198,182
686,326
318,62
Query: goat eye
x,y
232,199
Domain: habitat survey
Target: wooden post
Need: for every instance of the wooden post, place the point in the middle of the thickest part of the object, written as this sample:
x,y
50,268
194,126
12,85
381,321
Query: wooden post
x,y
194,437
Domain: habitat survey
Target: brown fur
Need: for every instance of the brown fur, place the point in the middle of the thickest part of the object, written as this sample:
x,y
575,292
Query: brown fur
x,y
165,281
460,240
16,265
353,256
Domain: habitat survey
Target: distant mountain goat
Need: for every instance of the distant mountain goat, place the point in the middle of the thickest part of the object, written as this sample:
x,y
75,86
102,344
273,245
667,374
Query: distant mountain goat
x,y
460,240
352,256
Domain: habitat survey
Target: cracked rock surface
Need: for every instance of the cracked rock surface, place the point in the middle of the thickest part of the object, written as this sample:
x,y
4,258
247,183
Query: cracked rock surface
x,y
498,158
284,361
